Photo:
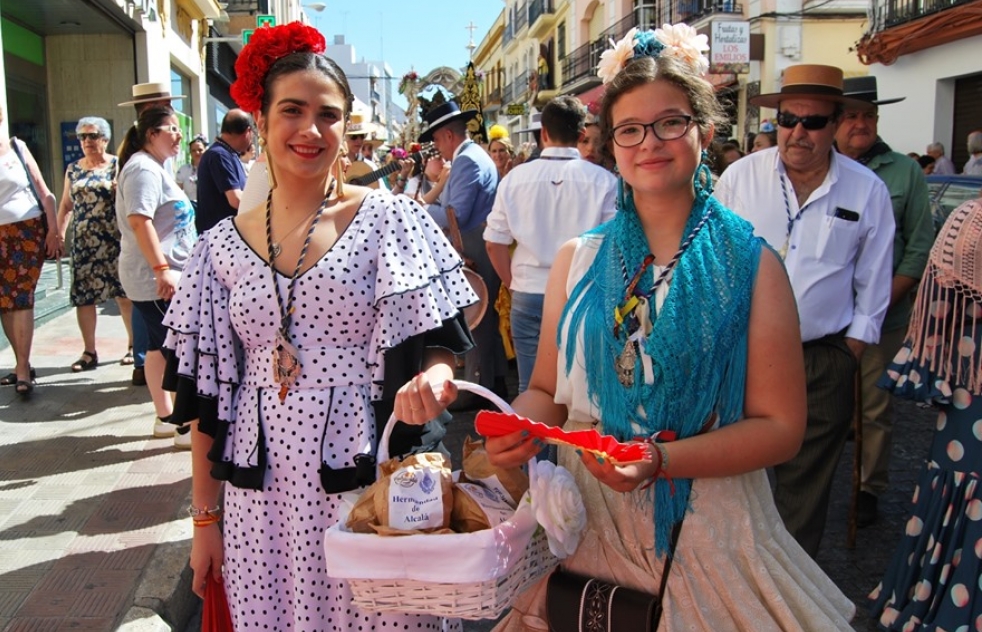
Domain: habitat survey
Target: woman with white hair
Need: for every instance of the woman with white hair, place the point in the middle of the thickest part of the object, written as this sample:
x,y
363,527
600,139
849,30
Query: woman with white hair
x,y
88,205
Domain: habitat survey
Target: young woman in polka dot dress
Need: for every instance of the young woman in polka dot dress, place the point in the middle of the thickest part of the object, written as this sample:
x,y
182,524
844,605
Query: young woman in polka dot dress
x,y
933,581
295,325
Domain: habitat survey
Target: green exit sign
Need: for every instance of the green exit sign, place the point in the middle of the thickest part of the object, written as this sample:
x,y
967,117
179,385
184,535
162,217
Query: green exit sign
x,y
247,35
265,20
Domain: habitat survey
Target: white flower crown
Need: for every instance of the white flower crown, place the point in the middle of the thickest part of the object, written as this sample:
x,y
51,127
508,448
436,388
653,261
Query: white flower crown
x,y
680,41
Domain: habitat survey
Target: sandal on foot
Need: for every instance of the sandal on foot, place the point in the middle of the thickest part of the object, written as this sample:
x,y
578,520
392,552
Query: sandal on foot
x,y
11,378
128,358
24,388
83,364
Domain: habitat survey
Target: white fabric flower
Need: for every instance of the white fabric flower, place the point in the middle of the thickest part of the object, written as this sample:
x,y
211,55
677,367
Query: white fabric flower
x,y
614,59
558,507
683,42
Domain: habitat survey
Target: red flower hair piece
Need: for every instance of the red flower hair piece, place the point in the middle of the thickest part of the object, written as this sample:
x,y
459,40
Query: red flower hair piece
x,y
266,45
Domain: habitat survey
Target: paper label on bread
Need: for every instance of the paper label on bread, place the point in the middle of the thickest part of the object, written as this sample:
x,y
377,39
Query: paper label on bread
x,y
418,495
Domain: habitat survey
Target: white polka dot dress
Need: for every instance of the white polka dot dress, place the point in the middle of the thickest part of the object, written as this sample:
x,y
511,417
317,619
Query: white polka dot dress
x,y
391,275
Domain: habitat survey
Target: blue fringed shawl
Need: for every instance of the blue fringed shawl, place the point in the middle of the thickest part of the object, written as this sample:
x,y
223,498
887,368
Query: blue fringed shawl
x,y
698,343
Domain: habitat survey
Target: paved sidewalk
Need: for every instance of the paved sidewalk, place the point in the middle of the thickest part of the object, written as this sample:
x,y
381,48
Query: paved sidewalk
x,y
92,525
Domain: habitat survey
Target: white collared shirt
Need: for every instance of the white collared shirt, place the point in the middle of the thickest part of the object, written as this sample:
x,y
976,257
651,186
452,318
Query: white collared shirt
x,y
840,251
542,204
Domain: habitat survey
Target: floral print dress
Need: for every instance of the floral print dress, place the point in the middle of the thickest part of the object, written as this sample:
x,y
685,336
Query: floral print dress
x,y
95,235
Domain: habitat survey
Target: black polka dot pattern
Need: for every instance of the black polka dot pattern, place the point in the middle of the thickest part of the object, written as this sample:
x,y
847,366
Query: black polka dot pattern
x,y
390,276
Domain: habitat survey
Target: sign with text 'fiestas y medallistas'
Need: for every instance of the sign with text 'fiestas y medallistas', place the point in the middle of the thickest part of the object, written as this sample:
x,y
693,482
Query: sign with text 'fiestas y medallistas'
x,y
729,48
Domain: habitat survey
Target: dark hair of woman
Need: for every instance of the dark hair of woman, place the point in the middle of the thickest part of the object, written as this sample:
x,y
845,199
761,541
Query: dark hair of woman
x,y
299,62
138,134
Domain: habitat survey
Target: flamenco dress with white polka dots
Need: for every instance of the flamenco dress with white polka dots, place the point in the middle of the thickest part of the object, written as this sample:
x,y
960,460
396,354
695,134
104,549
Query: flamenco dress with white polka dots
x,y
390,276
934,580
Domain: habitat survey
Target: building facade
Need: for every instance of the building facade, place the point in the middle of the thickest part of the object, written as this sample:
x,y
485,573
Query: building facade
x,y
64,60
550,47
931,53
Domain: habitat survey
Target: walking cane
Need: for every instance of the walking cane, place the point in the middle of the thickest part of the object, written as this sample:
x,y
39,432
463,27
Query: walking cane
x,y
857,461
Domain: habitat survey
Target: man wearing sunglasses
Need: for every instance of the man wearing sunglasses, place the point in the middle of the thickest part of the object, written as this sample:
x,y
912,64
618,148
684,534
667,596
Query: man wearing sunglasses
x,y
858,138
831,221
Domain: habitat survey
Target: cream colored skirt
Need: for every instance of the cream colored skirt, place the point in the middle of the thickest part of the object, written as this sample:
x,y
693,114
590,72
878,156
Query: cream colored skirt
x,y
736,567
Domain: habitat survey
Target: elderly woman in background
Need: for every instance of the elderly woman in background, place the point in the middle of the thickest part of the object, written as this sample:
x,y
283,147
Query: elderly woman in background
x,y
27,210
157,226
187,174
88,205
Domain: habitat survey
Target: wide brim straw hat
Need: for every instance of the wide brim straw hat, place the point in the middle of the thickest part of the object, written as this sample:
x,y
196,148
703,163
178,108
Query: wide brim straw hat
x,y
809,81
149,92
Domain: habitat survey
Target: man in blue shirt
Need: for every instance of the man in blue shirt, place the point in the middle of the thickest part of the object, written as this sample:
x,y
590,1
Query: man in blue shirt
x,y
221,176
469,194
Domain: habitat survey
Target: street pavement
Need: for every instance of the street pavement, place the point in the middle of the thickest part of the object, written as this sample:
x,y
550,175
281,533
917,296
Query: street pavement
x,y
93,534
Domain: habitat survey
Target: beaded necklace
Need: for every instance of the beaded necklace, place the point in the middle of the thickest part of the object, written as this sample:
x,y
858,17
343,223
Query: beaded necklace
x,y
286,357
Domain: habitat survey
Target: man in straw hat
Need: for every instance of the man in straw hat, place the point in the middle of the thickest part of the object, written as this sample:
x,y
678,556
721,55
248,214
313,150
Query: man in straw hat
x,y
857,138
468,195
830,219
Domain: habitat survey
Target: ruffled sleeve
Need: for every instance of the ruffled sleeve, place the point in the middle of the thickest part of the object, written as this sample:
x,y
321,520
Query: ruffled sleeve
x,y
420,287
205,355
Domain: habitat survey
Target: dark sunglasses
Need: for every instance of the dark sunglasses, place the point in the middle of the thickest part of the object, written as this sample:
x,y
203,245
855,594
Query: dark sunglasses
x,y
89,136
812,122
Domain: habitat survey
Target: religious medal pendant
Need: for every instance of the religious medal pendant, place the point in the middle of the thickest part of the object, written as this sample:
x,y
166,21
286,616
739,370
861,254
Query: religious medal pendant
x,y
286,364
625,364
275,251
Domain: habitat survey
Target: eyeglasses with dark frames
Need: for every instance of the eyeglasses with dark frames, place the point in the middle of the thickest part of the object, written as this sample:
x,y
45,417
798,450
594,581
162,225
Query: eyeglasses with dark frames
x,y
671,127
173,129
89,135
812,122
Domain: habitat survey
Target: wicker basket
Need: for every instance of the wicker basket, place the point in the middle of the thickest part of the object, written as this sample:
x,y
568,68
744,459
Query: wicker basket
x,y
408,573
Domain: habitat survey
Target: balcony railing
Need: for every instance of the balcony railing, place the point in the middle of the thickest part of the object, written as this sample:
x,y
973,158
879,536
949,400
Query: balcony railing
x,y
538,8
583,61
509,93
521,16
521,84
254,7
494,96
692,10
509,33
887,13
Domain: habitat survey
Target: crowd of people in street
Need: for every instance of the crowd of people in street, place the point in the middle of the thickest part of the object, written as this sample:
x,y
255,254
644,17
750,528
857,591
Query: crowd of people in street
x,y
733,306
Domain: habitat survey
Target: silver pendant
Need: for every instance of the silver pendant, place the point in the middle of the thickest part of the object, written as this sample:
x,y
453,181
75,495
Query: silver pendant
x,y
625,364
275,251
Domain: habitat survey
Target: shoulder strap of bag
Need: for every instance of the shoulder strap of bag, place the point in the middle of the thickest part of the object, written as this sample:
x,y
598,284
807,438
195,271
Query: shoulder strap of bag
x,y
676,530
14,144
